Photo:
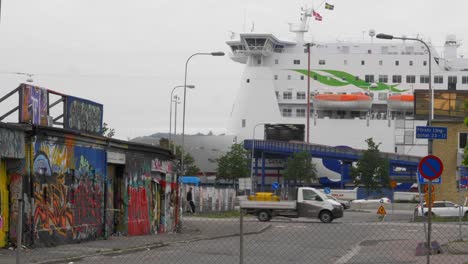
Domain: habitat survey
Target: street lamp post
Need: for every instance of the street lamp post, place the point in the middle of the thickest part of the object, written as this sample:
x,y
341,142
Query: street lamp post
x,y
182,169
252,178
176,101
170,109
429,123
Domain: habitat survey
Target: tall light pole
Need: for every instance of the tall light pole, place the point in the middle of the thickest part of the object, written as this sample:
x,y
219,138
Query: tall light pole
x,y
176,101
253,158
170,108
429,123
308,45
182,169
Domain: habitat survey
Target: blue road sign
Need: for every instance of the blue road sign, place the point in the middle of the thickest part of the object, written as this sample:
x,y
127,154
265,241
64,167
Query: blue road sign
x,y
275,186
327,190
422,180
430,167
431,132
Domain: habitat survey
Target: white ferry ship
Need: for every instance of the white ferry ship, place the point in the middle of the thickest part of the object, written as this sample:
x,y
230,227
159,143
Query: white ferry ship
x,y
358,90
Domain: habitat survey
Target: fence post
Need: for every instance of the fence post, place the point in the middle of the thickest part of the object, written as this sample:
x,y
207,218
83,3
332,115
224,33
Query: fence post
x,y
241,231
19,230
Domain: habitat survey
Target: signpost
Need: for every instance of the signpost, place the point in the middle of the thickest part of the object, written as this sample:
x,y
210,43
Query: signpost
x,y
430,132
431,168
327,190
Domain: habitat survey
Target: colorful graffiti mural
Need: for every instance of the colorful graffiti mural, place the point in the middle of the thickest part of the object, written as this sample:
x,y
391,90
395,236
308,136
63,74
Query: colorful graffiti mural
x,y
15,170
3,205
137,183
83,115
68,192
33,104
11,143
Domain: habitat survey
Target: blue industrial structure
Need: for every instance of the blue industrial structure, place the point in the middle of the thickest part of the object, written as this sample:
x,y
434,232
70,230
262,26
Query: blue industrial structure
x,y
402,167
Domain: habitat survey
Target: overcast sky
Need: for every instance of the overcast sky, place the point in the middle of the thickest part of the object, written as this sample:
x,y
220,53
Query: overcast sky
x,y
128,55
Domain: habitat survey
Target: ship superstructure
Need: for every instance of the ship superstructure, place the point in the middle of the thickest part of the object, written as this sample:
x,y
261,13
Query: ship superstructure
x,y
358,90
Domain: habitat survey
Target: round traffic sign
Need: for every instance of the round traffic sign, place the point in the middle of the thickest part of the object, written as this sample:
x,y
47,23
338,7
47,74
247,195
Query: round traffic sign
x,y
275,186
327,190
430,167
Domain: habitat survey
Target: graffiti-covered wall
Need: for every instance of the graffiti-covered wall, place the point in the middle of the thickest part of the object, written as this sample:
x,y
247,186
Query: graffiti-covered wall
x,y
68,190
33,105
11,143
137,177
19,186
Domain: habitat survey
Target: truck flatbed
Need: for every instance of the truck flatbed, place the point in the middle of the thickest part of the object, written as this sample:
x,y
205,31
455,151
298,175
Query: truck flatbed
x,y
281,205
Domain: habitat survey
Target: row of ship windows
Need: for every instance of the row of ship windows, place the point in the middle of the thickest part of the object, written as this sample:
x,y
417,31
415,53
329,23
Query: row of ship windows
x,y
397,78
302,95
345,62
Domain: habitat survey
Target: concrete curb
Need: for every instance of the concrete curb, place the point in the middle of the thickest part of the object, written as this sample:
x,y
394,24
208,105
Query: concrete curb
x,y
111,252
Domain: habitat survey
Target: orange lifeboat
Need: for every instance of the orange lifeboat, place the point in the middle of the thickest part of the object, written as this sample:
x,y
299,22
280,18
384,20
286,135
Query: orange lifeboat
x,y
356,101
401,102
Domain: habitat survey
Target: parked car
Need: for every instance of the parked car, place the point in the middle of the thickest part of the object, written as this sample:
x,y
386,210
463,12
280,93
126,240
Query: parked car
x,y
381,200
442,209
345,204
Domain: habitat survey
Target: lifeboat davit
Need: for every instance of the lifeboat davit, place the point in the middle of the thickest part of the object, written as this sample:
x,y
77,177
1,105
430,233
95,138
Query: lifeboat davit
x,y
353,102
401,102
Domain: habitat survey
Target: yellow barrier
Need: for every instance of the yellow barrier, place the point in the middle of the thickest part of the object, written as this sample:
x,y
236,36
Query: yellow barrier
x,y
263,196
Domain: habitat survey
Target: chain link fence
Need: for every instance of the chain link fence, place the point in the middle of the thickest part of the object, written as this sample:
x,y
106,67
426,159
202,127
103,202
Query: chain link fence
x,y
227,236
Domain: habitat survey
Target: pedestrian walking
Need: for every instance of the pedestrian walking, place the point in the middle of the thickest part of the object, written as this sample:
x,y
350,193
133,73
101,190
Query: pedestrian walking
x,y
190,200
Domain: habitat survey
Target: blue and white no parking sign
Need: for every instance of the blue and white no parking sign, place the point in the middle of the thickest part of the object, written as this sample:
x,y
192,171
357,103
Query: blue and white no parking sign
x,y
430,167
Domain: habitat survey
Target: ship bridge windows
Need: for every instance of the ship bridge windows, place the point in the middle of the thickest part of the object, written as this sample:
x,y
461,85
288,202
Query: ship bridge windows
x,y
410,79
383,78
255,43
237,48
438,79
396,79
278,48
369,78
464,79
287,95
424,79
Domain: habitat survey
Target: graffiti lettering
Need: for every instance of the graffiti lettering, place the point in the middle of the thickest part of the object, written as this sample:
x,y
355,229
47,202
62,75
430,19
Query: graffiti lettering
x,y
84,116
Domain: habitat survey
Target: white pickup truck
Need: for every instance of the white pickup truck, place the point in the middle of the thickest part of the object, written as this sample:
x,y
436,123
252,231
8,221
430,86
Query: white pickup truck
x,y
309,202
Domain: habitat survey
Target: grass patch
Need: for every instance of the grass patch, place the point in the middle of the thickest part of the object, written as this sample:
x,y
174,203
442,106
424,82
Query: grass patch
x,y
226,214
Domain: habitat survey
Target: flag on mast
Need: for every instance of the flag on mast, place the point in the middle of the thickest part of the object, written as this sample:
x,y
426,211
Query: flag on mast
x,y
329,6
316,15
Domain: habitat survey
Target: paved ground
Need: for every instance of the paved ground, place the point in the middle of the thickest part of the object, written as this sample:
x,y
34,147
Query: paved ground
x,y
194,229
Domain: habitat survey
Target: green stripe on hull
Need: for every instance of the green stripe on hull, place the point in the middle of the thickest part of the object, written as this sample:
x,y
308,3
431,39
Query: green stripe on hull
x,y
341,78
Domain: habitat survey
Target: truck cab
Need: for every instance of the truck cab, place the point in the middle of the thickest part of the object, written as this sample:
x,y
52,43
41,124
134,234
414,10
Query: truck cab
x,y
313,203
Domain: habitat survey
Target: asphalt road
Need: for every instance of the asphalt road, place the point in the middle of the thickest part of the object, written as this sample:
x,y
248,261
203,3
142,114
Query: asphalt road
x,y
359,237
